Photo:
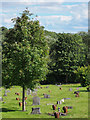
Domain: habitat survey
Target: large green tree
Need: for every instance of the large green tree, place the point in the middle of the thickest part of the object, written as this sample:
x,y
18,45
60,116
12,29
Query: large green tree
x,y
67,54
25,54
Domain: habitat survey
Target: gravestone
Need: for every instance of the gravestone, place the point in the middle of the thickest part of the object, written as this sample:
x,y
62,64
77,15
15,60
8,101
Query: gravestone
x,y
5,94
62,100
47,86
88,89
70,89
58,109
75,92
69,107
35,111
36,101
59,102
1,99
46,96
28,91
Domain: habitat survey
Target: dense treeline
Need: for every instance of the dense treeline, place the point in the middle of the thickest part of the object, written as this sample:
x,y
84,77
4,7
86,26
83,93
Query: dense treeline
x,y
68,53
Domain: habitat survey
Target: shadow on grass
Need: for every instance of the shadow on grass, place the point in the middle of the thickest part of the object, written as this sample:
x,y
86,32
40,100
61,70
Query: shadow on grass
x,y
7,110
83,91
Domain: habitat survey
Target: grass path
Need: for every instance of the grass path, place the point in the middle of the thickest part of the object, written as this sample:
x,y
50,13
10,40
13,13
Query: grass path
x,y
11,108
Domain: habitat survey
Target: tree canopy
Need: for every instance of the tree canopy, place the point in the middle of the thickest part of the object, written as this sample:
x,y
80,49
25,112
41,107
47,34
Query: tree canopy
x,y
67,54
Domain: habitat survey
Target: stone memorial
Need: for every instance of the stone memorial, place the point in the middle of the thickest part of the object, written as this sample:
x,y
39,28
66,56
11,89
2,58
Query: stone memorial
x,y
65,109
5,94
1,99
70,89
75,92
88,89
46,96
69,107
36,101
35,111
54,107
62,100
56,114
58,109
28,91
77,95
59,102
47,86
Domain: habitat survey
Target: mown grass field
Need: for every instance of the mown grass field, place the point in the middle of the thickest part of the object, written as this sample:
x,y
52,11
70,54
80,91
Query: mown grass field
x,y
11,108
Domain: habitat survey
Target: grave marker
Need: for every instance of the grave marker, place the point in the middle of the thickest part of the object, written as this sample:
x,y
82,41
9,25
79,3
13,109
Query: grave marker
x,y
1,99
46,96
35,111
70,89
59,102
28,91
36,101
5,94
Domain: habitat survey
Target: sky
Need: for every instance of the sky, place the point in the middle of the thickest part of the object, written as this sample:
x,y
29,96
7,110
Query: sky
x,y
69,16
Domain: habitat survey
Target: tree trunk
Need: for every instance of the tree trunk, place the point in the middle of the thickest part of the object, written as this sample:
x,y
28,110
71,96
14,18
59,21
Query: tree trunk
x,y
66,78
23,99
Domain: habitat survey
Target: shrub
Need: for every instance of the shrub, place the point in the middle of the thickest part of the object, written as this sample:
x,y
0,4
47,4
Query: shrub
x,y
83,75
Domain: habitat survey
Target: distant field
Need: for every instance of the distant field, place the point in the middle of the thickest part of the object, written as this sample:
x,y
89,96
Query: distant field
x,y
11,108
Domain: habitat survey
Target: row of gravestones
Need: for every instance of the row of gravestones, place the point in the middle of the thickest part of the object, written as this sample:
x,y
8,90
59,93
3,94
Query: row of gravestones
x,y
36,101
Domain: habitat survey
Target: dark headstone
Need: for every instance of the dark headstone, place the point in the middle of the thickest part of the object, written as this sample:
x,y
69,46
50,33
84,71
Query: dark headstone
x,y
63,114
35,111
47,86
88,89
69,107
65,109
56,114
36,101
76,92
54,107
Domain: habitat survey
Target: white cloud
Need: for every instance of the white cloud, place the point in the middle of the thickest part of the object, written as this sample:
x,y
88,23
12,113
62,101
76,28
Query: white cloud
x,y
80,27
66,18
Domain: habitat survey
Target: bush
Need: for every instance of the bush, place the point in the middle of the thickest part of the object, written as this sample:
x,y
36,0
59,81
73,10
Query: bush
x,y
83,75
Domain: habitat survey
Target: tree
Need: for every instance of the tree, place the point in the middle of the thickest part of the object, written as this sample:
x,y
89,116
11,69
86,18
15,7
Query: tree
x,y
25,54
86,39
68,53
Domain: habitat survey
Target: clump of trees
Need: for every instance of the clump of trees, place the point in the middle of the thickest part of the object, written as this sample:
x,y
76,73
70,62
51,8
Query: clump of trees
x,y
67,53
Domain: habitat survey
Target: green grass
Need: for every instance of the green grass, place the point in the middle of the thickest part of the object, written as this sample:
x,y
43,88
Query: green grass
x,y
11,108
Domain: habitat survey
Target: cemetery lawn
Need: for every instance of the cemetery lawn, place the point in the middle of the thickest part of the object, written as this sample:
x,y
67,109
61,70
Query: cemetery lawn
x,y
11,108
